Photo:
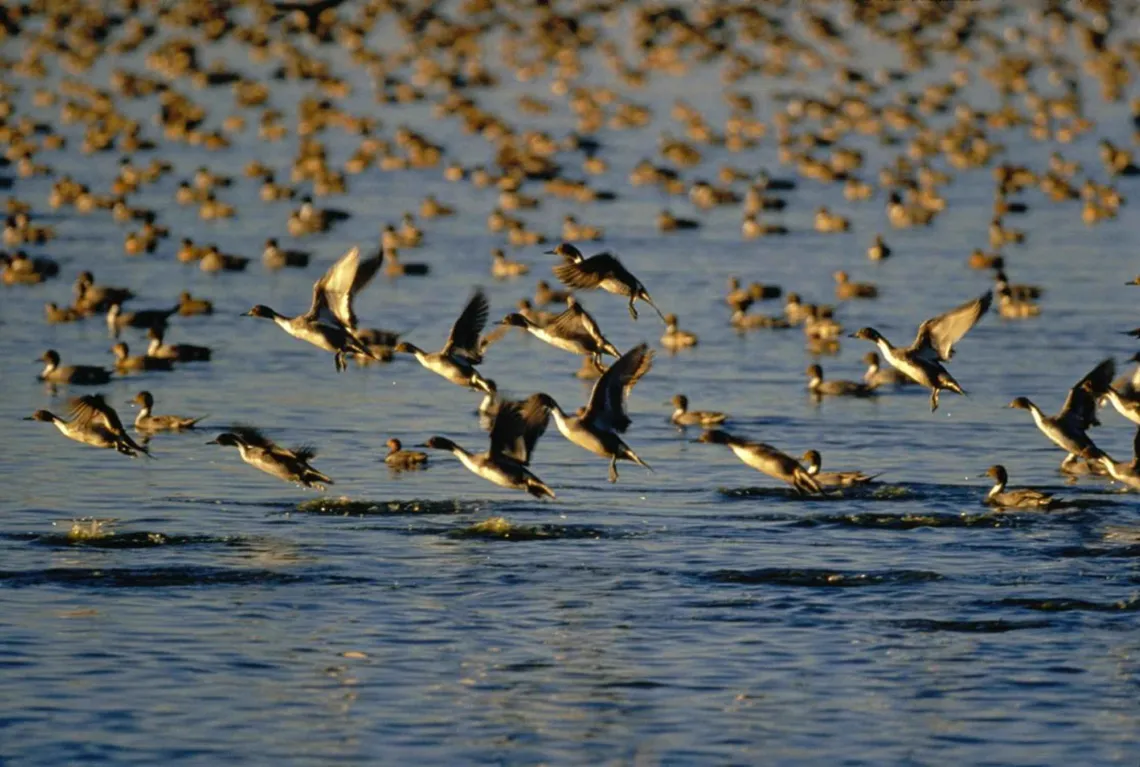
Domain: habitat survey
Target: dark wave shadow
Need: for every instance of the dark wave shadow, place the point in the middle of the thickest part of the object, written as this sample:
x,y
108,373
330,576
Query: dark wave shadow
x,y
969,627
811,577
134,540
347,507
1068,605
162,577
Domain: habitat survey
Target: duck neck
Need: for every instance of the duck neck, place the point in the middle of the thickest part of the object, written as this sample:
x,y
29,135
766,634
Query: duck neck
x,y
144,413
49,368
999,487
814,383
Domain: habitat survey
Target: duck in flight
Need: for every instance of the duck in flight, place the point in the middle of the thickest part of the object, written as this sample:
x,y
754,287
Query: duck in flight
x,y
330,323
1068,428
514,434
93,422
767,459
574,330
457,359
260,452
922,360
603,271
599,425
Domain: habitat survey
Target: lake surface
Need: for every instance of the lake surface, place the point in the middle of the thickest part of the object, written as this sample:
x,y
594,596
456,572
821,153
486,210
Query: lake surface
x,y
697,614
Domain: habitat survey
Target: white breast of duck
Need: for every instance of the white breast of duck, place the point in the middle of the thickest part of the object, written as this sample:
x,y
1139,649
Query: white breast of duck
x,y
1128,409
923,370
566,344
1126,473
574,430
764,459
316,333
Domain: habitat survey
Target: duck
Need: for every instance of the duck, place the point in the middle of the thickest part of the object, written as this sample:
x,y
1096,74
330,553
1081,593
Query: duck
x,y
602,270
766,459
599,425
821,388
674,338
751,227
1020,292
189,306
145,423
544,295
922,360
125,363
55,314
433,208
176,352
574,330
514,434
410,235
1011,308
827,222
309,219
1128,472
667,222
834,479
117,319
77,375
402,460
845,289
334,292
91,298
276,257
978,259
213,260
682,416
878,250
537,316
1022,498
877,375
457,359
19,269
573,230
394,267
743,321
1068,428
260,452
93,422
502,268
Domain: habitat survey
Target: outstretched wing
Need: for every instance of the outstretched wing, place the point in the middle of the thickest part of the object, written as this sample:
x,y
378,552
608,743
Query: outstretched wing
x,y
589,274
252,436
517,427
343,280
606,409
304,452
1079,410
464,338
937,336
92,408
573,324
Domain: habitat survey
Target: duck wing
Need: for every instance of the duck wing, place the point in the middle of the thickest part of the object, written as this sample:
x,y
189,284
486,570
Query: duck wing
x,y
574,324
517,427
304,453
463,341
937,336
592,272
606,408
252,436
343,280
92,408
1136,447
1079,410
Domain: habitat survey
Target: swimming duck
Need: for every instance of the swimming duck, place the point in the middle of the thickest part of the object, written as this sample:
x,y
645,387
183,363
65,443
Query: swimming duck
x,y
922,360
751,227
213,260
674,338
575,331
573,230
1021,292
276,257
603,271
981,260
79,375
742,321
878,250
21,270
433,208
767,459
502,268
845,289
877,376
260,452
1011,308
827,222
1068,428
544,295
457,359
188,306
56,314
682,416
334,292
1022,498
514,434
402,460
667,222
410,235
125,363
176,352
308,219
91,298
598,427
93,422
821,388
146,423
394,267
833,479
117,319
1126,472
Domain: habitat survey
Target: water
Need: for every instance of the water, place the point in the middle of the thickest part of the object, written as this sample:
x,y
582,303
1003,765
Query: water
x,y
698,614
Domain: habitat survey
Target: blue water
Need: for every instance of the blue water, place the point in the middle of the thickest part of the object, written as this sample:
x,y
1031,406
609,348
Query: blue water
x,y
696,614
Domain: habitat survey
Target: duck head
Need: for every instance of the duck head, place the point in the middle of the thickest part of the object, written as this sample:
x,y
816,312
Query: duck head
x,y
567,251
514,319
997,471
225,439
260,311
1021,403
143,398
715,437
41,415
868,334
438,443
